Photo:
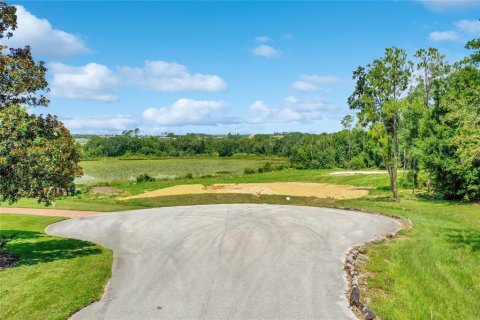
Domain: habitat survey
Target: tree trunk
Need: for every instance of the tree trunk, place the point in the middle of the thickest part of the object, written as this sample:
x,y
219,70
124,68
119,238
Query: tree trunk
x,y
393,176
404,162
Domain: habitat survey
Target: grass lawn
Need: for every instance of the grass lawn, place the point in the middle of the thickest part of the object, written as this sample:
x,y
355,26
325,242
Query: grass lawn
x,y
55,277
112,169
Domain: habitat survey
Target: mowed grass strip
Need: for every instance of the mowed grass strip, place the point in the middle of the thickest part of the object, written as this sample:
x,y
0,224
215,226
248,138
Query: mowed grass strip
x,y
55,277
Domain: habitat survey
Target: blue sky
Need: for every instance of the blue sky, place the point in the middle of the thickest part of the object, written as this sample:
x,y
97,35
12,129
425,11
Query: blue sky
x,y
219,67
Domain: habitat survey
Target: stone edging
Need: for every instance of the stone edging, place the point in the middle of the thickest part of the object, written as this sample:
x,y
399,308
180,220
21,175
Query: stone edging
x,y
353,293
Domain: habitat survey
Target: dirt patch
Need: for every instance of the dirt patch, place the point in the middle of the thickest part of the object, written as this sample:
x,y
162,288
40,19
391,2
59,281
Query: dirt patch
x,y
350,173
48,212
300,189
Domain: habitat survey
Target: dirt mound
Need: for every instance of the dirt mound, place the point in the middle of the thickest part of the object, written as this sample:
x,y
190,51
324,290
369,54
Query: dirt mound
x,y
319,190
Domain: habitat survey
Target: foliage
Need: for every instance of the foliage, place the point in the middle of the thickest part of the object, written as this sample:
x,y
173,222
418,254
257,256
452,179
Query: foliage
x,y
20,76
377,94
145,177
38,157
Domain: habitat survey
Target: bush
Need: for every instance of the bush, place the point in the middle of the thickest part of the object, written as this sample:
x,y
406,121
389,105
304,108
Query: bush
x,y
267,167
145,178
357,162
249,171
188,176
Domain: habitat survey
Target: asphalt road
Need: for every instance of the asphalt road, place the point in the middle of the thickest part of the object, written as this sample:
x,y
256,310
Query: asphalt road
x,y
225,261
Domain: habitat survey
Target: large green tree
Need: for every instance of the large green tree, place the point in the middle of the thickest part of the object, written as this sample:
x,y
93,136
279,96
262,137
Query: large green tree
x,y
378,97
38,158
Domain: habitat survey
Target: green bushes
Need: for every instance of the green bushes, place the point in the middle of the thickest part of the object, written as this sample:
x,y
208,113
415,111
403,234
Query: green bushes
x,y
145,177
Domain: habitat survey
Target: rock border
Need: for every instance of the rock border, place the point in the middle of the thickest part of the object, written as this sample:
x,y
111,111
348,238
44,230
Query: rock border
x,y
351,258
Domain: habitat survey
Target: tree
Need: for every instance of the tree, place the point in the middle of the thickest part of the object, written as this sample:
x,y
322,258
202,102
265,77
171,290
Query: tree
x,y
377,95
38,157
21,78
347,122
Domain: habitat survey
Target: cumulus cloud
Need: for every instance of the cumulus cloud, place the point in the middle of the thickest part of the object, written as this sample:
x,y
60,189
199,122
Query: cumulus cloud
x,y
100,124
265,51
170,76
469,26
445,36
293,110
185,112
98,82
43,38
312,82
90,82
262,39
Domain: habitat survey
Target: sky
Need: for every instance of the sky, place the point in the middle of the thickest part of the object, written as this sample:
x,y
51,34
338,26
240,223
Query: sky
x,y
223,67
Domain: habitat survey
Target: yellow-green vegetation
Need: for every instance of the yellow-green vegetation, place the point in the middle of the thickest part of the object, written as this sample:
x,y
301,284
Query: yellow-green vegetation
x,y
113,169
55,276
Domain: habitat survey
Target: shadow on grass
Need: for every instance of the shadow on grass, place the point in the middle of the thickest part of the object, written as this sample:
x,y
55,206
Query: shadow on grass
x,y
462,238
36,247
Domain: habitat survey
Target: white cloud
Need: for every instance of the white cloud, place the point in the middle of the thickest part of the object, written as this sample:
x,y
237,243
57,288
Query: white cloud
x,y
447,5
185,112
90,82
43,38
266,51
312,82
304,86
100,124
294,110
469,26
170,76
98,82
445,36
262,39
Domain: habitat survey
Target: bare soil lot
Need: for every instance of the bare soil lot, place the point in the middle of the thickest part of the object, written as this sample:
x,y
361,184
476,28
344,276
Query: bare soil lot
x,y
302,189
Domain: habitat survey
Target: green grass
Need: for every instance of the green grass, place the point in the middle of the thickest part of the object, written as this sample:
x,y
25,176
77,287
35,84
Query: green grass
x,y
433,272
112,169
55,276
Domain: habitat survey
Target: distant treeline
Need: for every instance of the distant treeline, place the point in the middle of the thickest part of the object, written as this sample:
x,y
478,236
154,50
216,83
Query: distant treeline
x,y
345,149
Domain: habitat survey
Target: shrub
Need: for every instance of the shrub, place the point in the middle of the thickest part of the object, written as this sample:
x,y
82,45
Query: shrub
x,y
188,176
249,171
145,178
357,162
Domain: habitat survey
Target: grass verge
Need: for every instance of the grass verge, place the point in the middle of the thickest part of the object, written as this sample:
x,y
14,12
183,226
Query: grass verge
x,y
55,277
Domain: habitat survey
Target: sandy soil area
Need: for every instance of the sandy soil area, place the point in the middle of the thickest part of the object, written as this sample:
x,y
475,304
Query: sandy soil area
x,y
48,212
319,190
347,173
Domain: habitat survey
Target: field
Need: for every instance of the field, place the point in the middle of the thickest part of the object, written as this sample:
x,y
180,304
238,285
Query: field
x,y
413,276
112,169
55,277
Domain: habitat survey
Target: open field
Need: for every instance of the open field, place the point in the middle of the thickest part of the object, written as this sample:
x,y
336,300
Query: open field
x,y
55,276
112,169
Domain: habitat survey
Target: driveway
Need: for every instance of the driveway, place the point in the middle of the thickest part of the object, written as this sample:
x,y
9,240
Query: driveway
x,y
226,261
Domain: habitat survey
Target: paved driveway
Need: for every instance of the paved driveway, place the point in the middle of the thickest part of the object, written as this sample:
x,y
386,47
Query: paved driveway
x,y
226,261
